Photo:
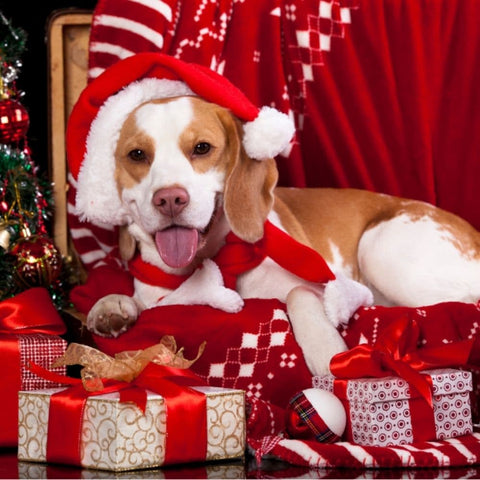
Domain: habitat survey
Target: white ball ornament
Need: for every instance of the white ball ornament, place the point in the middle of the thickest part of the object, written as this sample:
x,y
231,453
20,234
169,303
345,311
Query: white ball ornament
x,y
316,414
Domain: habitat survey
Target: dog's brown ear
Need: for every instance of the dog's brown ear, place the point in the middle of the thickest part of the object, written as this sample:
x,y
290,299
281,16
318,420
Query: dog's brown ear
x,y
127,245
249,186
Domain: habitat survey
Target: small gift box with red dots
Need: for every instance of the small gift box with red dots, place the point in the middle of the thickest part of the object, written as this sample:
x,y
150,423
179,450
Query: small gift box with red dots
x,y
388,411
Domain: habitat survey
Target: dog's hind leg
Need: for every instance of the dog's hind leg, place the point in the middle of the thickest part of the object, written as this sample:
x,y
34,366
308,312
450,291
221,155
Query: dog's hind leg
x,y
418,261
316,312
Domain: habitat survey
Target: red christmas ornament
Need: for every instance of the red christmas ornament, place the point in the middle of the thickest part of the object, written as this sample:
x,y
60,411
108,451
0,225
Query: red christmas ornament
x,y
38,262
315,414
14,121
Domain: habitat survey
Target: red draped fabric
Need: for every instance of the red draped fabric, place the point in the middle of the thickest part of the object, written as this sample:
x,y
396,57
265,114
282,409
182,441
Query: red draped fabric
x,y
395,107
384,93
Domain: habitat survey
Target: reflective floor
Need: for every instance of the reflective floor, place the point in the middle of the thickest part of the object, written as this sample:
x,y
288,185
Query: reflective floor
x,y
237,469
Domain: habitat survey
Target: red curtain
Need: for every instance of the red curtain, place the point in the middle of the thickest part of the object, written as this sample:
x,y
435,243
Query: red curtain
x,y
396,106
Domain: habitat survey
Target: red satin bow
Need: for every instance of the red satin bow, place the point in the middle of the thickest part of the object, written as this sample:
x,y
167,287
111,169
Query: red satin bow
x,y
182,403
29,312
397,352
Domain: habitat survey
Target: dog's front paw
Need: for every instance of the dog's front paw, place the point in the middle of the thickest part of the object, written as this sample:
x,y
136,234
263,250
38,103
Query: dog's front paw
x,y
227,300
112,315
205,287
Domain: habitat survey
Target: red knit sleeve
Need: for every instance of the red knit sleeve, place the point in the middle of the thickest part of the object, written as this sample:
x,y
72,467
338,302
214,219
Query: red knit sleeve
x,y
103,280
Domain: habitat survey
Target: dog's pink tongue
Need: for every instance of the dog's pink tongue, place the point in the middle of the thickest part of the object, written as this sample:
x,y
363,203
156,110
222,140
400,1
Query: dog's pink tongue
x,y
177,245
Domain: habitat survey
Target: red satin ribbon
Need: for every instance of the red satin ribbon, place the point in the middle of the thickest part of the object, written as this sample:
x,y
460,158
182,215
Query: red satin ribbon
x,y
421,412
30,312
238,256
422,419
11,378
397,352
182,404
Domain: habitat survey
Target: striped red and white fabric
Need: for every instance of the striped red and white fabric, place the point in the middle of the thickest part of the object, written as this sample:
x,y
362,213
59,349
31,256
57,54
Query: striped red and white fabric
x,y
460,451
96,245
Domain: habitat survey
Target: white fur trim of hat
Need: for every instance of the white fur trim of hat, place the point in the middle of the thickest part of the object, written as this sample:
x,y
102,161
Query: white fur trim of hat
x,y
97,118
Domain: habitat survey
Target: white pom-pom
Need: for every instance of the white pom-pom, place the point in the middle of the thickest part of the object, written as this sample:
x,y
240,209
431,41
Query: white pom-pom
x,y
268,135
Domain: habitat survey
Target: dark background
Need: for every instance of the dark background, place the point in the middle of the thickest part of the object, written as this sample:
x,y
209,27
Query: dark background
x,y
33,77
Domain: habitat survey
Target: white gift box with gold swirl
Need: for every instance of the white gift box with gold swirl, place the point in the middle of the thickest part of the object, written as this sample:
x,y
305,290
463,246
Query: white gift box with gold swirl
x,y
119,436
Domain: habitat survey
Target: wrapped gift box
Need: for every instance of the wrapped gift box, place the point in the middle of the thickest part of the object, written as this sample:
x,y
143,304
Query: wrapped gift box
x,y
15,353
119,436
387,412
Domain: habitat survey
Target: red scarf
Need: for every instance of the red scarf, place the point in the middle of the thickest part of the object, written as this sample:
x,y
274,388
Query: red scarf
x,y
237,257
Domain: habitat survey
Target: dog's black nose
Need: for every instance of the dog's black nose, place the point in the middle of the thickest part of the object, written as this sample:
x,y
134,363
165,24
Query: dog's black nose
x,y
171,200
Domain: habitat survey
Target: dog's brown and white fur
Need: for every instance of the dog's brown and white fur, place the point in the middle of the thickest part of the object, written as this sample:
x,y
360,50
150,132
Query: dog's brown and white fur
x,y
180,162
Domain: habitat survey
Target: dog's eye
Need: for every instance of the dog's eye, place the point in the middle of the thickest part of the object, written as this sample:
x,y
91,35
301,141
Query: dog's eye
x,y
201,148
137,155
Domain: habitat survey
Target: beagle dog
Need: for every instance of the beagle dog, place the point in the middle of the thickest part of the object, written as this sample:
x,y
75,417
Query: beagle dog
x,y
183,175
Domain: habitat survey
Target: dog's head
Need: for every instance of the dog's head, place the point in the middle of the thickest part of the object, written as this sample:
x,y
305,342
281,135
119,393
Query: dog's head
x,y
176,169
184,179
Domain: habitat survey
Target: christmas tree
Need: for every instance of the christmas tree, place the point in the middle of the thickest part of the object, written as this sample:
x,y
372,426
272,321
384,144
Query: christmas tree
x,y
28,257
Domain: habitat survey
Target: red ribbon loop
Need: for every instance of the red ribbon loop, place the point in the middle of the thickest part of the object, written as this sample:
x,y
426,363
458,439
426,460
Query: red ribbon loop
x,y
397,352
30,312
52,376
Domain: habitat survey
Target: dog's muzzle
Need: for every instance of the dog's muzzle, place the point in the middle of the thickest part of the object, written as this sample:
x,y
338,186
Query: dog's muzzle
x,y
178,244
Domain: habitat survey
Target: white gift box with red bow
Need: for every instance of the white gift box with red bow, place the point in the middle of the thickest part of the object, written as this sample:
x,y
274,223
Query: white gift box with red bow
x,y
387,411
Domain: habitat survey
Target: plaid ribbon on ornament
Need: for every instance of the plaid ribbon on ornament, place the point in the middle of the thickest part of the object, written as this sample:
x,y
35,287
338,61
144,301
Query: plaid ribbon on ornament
x,y
304,409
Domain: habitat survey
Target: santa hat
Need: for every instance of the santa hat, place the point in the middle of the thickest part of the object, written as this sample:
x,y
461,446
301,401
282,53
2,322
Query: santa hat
x,y
102,108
